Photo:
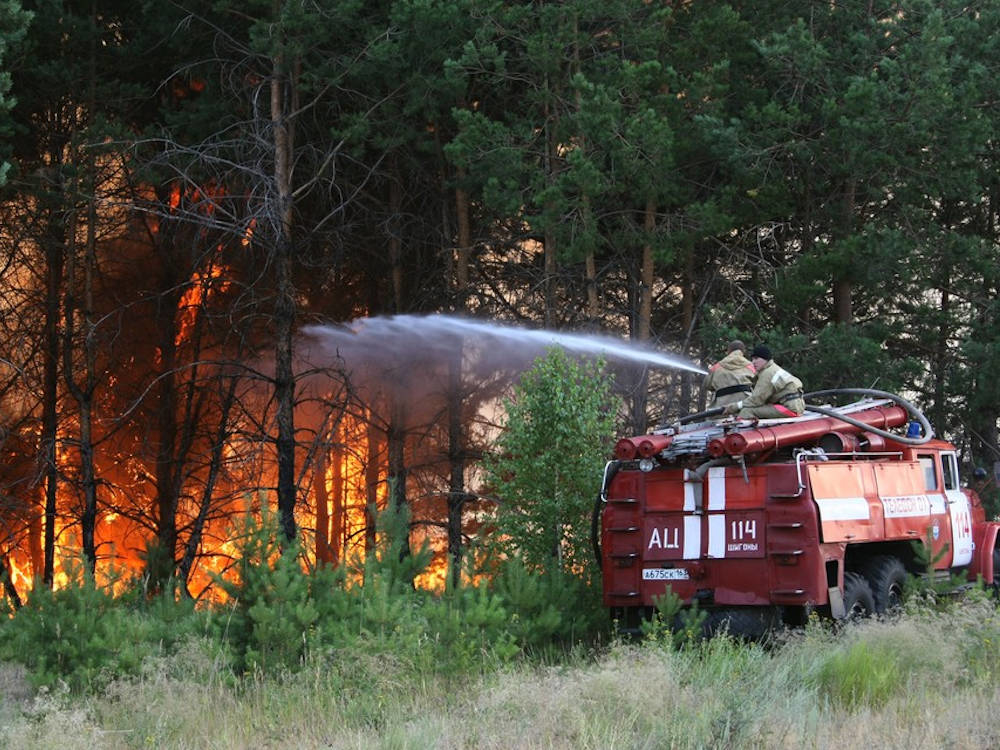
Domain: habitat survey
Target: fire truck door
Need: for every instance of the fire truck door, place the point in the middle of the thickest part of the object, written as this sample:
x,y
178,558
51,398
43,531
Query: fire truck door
x,y
958,509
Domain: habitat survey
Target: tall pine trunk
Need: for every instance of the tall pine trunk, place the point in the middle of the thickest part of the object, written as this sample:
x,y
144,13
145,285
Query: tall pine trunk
x,y
396,449
457,495
642,326
284,307
843,311
80,302
371,483
337,510
322,500
84,302
54,264
687,324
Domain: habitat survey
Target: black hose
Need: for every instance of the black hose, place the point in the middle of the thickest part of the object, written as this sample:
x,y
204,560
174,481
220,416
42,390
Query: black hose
x,y
928,431
714,411
610,469
595,539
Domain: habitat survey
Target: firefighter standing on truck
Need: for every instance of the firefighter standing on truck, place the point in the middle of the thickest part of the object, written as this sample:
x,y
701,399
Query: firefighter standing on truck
x,y
776,394
731,378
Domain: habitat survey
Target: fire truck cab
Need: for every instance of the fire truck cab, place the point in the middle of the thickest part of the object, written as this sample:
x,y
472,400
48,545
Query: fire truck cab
x,y
761,523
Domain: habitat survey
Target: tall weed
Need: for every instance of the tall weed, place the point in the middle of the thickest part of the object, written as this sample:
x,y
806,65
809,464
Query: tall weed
x,y
863,675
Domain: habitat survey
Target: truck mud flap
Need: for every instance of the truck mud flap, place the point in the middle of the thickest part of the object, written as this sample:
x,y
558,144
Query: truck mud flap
x,y
837,610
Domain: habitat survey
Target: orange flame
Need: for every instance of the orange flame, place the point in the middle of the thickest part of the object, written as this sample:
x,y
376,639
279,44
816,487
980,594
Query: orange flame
x,y
189,306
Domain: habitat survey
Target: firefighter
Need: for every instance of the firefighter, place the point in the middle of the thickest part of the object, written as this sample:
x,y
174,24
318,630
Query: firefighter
x,y
731,378
776,394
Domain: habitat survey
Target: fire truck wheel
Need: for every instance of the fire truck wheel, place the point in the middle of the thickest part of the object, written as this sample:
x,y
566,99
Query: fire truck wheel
x,y
858,599
996,570
887,576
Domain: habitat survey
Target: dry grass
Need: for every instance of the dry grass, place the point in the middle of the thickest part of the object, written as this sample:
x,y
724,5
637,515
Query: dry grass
x,y
724,695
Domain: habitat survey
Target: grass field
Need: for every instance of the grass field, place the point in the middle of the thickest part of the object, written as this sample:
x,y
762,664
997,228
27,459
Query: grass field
x,y
928,679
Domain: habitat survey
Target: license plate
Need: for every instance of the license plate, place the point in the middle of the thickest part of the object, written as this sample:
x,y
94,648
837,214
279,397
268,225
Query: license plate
x,y
665,574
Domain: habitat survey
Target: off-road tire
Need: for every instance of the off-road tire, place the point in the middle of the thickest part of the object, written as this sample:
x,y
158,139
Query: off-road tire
x,y
886,575
995,583
858,599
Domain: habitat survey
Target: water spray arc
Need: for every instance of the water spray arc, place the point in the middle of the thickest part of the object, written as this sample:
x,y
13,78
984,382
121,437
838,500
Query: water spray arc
x,y
442,332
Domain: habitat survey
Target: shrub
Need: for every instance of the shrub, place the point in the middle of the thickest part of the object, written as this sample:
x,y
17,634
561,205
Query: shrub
x,y
270,612
547,467
548,607
83,636
672,623
471,627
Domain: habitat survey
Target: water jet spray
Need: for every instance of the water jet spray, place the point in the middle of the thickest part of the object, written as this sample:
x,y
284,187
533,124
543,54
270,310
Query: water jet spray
x,y
439,334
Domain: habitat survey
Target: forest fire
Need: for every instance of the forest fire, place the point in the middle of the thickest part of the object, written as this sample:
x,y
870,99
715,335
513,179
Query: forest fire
x,y
176,451
334,516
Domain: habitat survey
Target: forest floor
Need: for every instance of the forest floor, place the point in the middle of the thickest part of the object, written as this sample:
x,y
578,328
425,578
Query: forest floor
x,y
926,679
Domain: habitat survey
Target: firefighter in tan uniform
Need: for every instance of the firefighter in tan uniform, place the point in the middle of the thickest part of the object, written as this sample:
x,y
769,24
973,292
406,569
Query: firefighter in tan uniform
x,y
731,378
776,394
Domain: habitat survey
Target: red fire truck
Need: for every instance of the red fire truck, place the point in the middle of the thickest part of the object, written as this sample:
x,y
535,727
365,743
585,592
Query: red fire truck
x,y
763,522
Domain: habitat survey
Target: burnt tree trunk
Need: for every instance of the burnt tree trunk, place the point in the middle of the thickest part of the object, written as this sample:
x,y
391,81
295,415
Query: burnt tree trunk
x,y
282,102
8,583
214,469
395,240
396,448
80,301
54,265
160,565
457,496
371,484
464,251
337,512
322,496
83,392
